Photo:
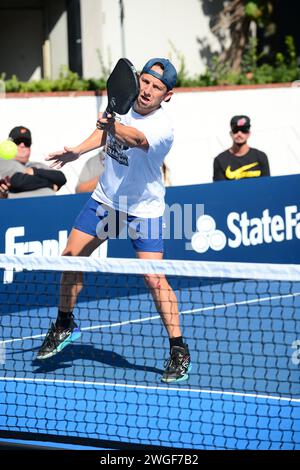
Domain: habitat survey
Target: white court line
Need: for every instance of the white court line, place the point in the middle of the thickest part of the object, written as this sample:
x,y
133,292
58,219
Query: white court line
x,y
151,387
156,317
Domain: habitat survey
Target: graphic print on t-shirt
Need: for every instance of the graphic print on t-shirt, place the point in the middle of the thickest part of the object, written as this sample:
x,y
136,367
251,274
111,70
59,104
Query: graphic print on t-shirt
x,y
116,150
242,172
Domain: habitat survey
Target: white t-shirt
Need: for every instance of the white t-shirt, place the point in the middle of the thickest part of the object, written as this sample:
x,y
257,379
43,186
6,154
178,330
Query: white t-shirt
x,y
132,180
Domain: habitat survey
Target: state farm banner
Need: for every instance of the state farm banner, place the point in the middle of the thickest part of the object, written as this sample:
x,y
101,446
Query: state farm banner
x,y
254,220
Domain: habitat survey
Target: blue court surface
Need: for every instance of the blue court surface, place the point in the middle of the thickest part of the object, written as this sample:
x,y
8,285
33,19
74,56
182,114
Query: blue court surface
x,y
243,391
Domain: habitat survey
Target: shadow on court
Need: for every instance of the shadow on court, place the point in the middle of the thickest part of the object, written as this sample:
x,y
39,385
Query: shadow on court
x,y
65,359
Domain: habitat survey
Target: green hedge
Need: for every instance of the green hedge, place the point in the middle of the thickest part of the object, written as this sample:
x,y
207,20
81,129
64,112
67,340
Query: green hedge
x,y
253,71
67,81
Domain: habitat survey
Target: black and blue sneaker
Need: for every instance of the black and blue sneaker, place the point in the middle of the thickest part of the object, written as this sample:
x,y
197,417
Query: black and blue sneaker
x,y
58,338
178,366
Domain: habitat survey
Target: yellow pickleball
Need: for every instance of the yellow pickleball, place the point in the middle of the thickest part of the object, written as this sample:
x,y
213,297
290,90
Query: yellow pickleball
x,y
8,150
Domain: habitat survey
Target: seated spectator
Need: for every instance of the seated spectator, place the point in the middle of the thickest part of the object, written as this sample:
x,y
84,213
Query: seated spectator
x,y
90,174
21,177
166,175
240,161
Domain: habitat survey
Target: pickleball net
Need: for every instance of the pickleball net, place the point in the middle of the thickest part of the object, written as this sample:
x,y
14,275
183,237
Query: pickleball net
x,y
240,320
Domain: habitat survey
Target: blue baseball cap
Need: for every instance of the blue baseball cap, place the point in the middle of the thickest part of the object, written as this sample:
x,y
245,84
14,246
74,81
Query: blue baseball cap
x,y
169,75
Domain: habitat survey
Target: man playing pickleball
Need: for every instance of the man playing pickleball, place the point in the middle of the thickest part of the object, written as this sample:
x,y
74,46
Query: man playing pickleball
x,y
130,190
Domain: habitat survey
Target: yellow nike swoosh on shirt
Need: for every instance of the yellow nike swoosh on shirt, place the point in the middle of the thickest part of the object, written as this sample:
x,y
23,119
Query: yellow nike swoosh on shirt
x,y
242,172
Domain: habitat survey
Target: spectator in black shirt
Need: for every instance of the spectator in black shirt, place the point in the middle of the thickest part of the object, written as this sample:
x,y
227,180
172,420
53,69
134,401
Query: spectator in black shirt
x,y
21,177
240,161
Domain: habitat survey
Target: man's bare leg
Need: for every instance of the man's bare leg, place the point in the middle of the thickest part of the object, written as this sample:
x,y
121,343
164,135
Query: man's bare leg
x,y
178,366
163,296
79,244
65,330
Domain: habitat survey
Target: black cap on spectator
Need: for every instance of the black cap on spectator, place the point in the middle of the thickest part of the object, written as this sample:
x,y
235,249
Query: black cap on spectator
x,y
242,122
21,134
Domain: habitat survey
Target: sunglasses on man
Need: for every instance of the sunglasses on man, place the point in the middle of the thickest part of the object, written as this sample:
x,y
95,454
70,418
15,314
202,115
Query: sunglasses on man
x,y
22,141
244,130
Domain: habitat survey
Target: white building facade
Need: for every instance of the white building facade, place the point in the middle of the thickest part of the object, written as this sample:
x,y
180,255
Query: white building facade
x,y
39,37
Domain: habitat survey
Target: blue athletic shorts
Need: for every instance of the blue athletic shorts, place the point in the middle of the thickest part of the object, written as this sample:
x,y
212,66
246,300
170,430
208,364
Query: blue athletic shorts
x,y
103,222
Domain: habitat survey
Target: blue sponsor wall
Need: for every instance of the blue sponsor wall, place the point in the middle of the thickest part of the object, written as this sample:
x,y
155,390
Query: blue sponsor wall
x,y
259,219
255,220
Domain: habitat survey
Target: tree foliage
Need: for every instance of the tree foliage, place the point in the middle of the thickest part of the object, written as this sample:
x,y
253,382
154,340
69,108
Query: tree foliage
x,y
236,18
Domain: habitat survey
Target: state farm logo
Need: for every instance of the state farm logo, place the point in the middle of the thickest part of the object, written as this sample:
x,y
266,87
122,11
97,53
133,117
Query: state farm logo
x,y
246,231
207,236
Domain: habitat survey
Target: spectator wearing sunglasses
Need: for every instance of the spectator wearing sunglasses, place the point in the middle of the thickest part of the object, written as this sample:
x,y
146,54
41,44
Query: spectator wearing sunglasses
x,y
240,161
21,136
23,178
